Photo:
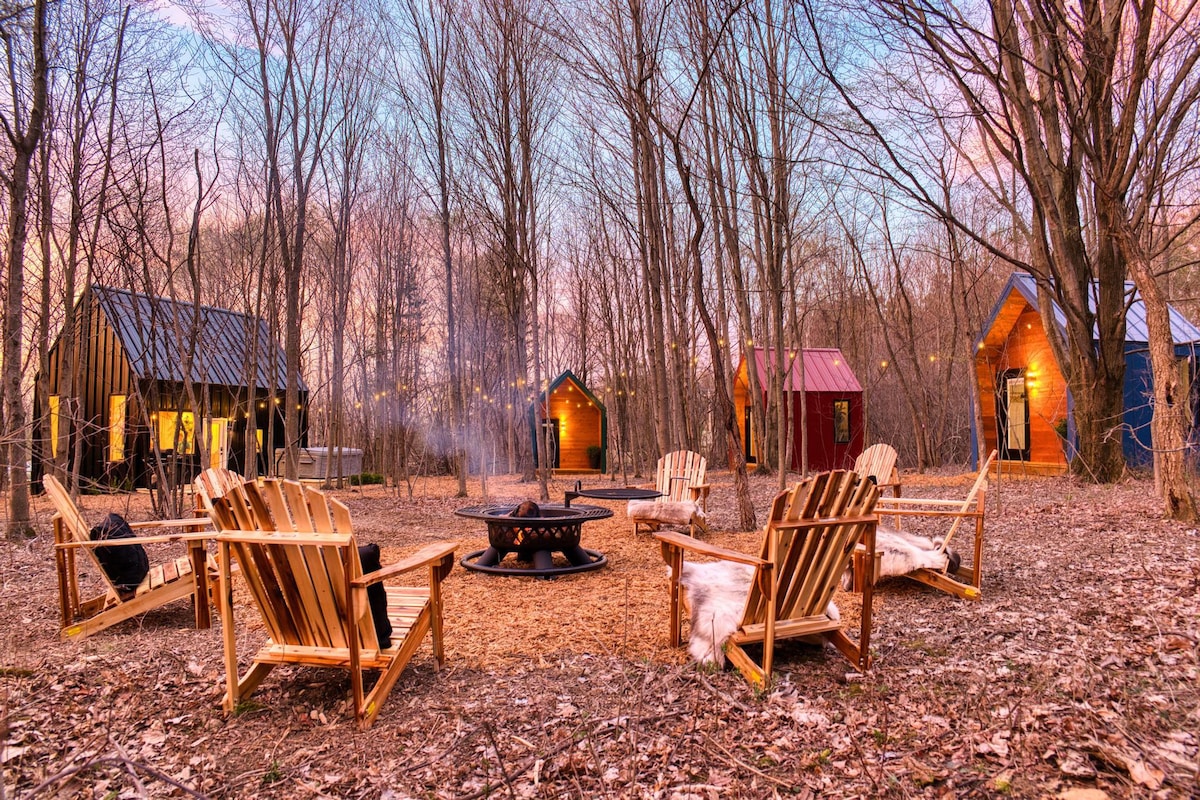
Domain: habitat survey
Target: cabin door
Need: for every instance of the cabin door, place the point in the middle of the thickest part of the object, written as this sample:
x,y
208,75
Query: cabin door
x,y
747,439
1012,415
218,442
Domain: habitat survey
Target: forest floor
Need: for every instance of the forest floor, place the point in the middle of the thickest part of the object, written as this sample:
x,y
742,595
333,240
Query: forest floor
x,y
1075,676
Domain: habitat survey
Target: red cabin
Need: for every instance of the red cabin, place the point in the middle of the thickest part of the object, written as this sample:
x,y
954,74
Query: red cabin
x,y
829,394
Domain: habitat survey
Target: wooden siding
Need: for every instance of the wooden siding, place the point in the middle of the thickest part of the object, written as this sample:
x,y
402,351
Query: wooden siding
x,y
103,370
1024,346
579,425
823,452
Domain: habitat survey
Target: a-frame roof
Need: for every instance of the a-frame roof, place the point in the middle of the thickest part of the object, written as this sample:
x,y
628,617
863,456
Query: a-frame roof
x,y
155,333
567,375
1021,290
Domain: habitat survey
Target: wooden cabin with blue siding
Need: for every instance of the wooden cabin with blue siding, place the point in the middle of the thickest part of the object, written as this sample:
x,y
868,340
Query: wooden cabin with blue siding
x,y
134,357
1025,402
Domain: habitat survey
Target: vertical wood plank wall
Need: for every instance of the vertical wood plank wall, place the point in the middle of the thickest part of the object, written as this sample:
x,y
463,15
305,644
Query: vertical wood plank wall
x,y
1024,346
579,425
104,370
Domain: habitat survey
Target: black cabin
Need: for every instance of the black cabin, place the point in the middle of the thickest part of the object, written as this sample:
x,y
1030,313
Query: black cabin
x,y
133,403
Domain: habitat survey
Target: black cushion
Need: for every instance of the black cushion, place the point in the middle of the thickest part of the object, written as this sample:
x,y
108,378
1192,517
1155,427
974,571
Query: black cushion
x,y
126,565
368,556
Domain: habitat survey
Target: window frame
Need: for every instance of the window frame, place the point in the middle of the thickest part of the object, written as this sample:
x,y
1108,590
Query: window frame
x,y
841,413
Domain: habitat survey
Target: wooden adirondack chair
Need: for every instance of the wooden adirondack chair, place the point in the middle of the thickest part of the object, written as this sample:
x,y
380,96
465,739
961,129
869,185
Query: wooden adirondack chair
x,y
807,544
183,576
879,462
968,580
300,562
680,476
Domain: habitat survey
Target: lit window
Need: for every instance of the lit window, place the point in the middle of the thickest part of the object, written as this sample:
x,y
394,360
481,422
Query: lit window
x,y
53,426
841,421
177,431
116,427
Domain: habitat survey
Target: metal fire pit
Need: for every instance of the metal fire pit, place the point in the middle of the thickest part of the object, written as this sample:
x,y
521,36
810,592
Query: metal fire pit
x,y
534,539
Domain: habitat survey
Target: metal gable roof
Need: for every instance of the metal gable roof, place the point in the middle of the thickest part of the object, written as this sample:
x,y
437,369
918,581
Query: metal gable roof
x,y
155,333
825,370
1136,331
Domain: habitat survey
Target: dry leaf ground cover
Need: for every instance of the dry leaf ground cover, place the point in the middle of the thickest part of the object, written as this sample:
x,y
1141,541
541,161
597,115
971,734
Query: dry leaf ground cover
x,y
1075,676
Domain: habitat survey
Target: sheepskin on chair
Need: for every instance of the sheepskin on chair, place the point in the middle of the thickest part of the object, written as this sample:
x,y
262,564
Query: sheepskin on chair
x,y
665,512
715,592
901,553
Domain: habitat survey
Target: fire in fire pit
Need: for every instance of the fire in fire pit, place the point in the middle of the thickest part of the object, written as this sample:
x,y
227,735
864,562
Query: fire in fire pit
x,y
534,539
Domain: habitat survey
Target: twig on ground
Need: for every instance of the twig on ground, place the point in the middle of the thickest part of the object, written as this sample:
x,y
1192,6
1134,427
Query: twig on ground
x,y
114,761
141,787
491,735
442,755
606,727
738,763
704,681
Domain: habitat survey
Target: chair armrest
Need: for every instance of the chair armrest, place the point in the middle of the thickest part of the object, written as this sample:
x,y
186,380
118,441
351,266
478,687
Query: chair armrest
x,y
674,539
700,487
428,555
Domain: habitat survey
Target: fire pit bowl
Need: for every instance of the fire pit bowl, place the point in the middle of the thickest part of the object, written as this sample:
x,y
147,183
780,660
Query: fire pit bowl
x,y
534,539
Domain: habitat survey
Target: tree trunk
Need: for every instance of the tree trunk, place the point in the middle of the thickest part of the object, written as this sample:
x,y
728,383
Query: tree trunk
x,y
20,522
1172,405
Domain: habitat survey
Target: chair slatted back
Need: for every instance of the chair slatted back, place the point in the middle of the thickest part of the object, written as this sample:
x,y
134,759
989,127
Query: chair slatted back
x,y
299,584
66,508
298,554
678,472
212,483
879,462
810,537
74,523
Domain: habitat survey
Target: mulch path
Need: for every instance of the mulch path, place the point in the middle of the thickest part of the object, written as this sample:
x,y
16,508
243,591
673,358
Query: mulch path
x,y
1075,676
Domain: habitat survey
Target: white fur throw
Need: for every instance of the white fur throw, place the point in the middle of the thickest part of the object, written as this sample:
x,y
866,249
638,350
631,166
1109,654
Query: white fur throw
x,y
716,594
901,553
665,512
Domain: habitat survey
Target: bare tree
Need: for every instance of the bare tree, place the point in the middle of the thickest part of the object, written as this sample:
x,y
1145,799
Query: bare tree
x,y
507,77
1060,113
432,28
23,128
